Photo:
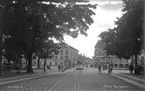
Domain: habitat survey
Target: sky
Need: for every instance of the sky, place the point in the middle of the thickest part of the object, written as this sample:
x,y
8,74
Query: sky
x,y
106,14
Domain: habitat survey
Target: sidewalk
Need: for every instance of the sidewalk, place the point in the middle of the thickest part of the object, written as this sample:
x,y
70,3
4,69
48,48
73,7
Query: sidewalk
x,y
137,80
37,73
11,74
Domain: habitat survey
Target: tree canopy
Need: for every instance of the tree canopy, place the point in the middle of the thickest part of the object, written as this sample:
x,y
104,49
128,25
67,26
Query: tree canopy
x,y
126,39
29,25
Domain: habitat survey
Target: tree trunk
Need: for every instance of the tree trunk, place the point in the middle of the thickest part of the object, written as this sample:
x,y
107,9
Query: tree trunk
x,y
44,64
26,63
38,64
135,71
29,68
1,34
135,60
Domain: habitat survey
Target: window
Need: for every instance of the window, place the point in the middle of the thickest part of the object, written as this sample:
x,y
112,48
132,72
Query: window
x,y
126,65
66,57
121,65
61,57
61,52
55,57
55,63
52,56
115,65
66,51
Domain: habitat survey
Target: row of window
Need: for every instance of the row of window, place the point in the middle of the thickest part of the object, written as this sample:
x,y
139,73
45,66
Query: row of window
x,y
61,57
121,65
62,52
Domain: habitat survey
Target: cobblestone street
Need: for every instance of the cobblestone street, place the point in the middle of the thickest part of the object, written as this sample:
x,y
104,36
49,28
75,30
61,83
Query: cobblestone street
x,y
78,80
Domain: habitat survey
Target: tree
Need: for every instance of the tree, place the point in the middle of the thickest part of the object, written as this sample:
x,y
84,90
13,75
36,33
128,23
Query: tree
x,y
46,50
131,25
2,9
128,33
33,22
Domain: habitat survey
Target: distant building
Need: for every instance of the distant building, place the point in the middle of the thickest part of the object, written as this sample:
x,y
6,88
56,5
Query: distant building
x,y
100,53
99,49
66,53
119,63
101,57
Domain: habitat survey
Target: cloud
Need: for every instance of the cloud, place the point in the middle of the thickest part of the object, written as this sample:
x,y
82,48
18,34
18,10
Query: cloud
x,y
104,19
107,0
105,25
111,7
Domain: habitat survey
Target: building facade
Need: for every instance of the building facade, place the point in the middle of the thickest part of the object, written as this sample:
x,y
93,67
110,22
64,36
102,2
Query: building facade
x,y
67,55
119,63
101,57
100,53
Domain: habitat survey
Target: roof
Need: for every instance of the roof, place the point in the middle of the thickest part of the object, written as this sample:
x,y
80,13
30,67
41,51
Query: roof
x,y
64,45
73,48
100,44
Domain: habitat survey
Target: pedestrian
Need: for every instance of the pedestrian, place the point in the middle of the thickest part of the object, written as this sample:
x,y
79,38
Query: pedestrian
x,y
18,68
62,68
48,67
111,68
59,67
99,68
131,68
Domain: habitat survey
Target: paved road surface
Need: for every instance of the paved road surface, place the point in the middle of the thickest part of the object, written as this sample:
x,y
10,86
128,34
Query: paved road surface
x,y
79,80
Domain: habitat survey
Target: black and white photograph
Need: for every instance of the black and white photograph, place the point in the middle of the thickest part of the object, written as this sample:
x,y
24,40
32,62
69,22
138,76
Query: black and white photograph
x,y
72,45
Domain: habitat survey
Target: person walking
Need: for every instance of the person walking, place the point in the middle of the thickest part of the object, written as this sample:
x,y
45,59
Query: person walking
x,y
131,68
99,68
111,68
18,68
48,67
59,67
62,67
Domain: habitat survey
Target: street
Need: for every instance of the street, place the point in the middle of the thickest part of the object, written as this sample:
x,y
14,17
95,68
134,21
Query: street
x,y
78,80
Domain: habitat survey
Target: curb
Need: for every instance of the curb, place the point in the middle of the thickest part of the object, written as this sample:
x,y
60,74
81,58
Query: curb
x,y
142,80
142,86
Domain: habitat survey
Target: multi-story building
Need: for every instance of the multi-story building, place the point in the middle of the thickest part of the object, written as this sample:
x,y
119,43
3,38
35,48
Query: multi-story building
x,y
67,54
118,63
100,53
101,57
